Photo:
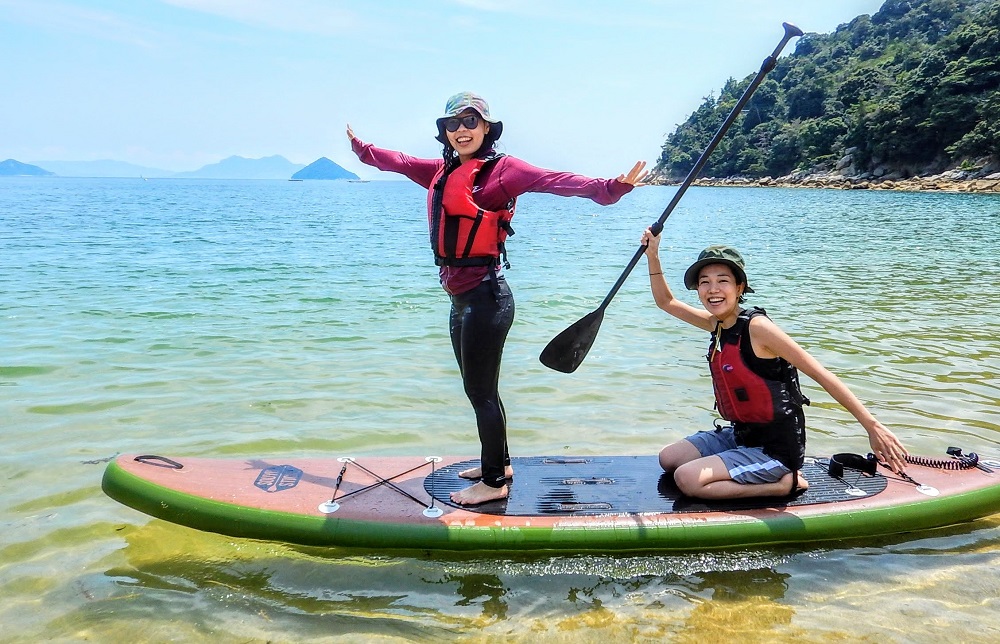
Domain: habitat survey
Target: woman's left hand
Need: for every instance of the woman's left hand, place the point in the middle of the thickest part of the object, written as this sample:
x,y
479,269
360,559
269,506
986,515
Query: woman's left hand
x,y
887,447
635,176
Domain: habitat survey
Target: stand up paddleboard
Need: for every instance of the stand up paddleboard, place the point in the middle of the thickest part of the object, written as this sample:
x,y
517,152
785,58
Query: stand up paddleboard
x,y
555,503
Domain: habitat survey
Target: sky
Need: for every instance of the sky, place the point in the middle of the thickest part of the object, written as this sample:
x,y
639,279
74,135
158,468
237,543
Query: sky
x,y
584,86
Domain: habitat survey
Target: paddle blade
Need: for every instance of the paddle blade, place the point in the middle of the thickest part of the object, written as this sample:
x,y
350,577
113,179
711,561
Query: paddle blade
x,y
566,351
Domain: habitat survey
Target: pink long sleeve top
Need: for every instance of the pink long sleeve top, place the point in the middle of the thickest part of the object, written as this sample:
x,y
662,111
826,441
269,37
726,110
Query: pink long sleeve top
x,y
500,182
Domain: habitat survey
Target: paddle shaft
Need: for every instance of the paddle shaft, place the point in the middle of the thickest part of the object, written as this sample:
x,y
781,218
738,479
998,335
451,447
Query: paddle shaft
x,y
791,31
566,351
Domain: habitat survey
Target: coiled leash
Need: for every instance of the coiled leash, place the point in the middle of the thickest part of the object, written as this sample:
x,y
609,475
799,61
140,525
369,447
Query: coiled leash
x,y
959,461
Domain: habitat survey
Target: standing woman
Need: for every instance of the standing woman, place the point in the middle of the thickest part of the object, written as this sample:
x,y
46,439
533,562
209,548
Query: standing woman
x,y
470,202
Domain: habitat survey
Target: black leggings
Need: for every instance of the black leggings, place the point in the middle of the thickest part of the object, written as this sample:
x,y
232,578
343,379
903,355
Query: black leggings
x,y
480,320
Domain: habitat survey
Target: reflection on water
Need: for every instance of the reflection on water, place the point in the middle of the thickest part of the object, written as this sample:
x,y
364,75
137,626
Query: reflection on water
x,y
330,592
251,319
182,584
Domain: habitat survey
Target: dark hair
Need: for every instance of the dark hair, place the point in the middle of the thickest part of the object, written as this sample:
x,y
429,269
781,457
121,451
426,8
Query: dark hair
x,y
490,139
743,296
450,159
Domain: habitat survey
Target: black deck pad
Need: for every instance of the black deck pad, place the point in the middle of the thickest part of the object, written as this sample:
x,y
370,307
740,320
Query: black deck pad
x,y
595,485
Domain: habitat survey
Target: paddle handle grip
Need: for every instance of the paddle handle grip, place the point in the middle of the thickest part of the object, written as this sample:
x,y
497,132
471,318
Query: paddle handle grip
x,y
791,31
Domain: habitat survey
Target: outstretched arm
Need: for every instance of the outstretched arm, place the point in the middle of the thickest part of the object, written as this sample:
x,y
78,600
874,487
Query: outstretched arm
x,y
770,341
518,177
662,294
420,171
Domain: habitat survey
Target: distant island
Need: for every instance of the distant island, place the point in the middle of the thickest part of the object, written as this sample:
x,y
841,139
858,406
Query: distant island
x,y
324,168
235,167
12,168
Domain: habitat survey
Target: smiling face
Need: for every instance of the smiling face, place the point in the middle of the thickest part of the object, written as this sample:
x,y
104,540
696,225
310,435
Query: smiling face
x,y
467,142
719,292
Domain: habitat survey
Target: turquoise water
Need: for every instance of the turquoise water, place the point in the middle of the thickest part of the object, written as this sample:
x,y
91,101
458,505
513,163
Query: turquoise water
x,y
226,318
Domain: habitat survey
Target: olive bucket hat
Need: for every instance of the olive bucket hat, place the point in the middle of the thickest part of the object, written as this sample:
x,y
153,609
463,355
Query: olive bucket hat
x,y
717,255
463,101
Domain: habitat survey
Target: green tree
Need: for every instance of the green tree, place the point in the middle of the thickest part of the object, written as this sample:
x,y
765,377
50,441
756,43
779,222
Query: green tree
x,y
913,86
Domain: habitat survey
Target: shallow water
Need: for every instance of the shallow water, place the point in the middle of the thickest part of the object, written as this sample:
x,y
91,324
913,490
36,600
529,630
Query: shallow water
x,y
226,318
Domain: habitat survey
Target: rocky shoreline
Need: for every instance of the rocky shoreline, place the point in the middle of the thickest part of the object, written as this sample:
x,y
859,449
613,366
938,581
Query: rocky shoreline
x,y
981,177
944,182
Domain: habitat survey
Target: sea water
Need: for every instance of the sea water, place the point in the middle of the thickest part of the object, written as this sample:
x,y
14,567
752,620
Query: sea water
x,y
232,319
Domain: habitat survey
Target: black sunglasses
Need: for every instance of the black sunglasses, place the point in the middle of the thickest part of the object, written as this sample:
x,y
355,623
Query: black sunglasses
x,y
470,121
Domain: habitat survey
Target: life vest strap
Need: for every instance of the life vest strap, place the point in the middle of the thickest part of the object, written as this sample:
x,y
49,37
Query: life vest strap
x,y
472,233
466,261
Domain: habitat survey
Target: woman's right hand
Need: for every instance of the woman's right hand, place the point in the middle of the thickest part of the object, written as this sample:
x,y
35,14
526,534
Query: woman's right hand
x,y
651,242
350,133
636,177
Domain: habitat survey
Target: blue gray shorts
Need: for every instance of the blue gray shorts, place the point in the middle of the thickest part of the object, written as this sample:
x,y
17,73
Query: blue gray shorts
x,y
745,464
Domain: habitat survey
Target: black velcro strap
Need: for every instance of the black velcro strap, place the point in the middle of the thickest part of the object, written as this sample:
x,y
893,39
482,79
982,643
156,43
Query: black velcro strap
x,y
865,464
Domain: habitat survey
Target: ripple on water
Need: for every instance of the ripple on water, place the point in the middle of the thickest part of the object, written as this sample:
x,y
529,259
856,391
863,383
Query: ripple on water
x,y
234,319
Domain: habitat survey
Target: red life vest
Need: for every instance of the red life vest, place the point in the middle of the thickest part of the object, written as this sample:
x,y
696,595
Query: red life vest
x,y
743,395
462,233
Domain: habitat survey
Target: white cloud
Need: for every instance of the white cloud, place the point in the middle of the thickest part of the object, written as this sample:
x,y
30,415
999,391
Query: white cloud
x,y
63,17
297,16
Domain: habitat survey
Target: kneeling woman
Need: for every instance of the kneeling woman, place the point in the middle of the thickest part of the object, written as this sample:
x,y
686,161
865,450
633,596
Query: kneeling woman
x,y
754,367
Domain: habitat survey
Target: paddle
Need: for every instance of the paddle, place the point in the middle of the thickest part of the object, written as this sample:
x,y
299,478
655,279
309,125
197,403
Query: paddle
x,y
566,351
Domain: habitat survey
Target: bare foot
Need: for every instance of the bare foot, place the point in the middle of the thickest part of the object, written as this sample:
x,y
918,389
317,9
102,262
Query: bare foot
x,y
801,484
476,473
479,493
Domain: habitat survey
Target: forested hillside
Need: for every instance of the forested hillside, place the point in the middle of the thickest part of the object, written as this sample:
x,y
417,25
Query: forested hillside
x,y
911,90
